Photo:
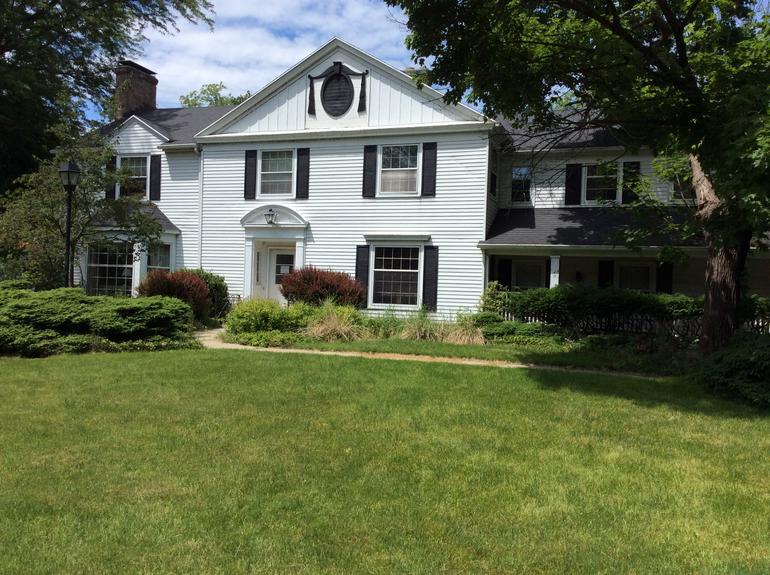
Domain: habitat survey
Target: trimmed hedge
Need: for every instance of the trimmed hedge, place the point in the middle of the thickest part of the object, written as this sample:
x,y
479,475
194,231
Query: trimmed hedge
x,y
68,320
219,296
184,285
314,286
741,370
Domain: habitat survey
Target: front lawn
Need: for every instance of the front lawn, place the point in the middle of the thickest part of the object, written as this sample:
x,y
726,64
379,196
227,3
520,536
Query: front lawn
x,y
235,461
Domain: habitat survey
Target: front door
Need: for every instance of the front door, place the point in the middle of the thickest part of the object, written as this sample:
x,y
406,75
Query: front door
x,y
281,263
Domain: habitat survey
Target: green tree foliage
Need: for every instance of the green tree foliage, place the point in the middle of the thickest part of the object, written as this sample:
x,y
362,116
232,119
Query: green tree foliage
x,y
211,95
687,78
32,227
48,47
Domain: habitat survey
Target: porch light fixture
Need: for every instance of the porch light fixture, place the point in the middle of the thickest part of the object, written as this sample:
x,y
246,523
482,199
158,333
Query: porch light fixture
x,y
69,173
270,216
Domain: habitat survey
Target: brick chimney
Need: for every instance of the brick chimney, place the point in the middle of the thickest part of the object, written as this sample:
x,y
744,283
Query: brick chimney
x,y
135,88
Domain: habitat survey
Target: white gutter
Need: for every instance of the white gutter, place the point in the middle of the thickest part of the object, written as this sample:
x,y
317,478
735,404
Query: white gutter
x,y
439,127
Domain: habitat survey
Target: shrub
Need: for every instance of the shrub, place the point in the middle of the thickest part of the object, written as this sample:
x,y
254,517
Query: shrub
x,y
219,296
181,284
494,299
741,370
505,329
258,314
334,322
271,338
15,284
385,326
485,318
68,320
314,286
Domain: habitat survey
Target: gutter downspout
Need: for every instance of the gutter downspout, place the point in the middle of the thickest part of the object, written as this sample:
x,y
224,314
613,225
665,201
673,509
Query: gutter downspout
x,y
199,151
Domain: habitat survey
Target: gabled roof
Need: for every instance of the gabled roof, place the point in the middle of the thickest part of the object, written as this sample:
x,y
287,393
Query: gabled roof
x,y
176,125
308,62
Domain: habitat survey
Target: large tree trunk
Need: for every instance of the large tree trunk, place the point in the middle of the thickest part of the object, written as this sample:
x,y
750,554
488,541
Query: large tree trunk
x,y
725,262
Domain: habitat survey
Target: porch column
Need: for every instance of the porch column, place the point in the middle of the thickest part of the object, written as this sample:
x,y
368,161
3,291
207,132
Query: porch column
x,y
248,267
299,253
553,280
139,269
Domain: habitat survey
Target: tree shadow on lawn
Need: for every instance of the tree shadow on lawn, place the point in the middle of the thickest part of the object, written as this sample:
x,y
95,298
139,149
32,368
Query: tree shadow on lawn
x,y
678,392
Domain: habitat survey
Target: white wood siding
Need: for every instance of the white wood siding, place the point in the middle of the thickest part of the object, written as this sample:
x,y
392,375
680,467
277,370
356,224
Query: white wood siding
x,y
135,138
391,101
179,200
339,216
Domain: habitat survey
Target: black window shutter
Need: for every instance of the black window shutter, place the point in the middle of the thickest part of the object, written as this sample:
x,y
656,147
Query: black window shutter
x,y
572,184
250,176
430,278
109,190
606,273
303,173
664,281
631,172
155,178
428,169
362,269
370,171
547,272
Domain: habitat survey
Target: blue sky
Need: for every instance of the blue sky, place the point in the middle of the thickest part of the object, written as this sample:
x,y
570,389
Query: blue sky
x,y
253,41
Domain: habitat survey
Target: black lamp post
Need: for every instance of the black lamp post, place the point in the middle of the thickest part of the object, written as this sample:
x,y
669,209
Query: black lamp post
x,y
69,174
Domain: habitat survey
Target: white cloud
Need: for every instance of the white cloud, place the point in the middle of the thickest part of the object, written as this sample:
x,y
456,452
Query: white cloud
x,y
256,40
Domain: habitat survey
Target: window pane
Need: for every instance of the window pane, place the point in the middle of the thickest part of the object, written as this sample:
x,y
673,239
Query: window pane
x,y
601,182
276,184
521,183
284,264
683,190
277,161
399,181
110,268
135,166
634,277
396,274
398,157
159,258
529,275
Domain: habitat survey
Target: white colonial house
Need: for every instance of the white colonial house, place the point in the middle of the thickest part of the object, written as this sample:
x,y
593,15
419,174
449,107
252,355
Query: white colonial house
x,y
343,163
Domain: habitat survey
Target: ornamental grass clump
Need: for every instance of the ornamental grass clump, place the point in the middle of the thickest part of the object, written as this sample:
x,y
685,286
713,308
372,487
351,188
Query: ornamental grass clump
x,y
465,332
333,322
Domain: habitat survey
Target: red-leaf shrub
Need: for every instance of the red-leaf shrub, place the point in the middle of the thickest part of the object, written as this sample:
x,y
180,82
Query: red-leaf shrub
x,y
314,286
183,285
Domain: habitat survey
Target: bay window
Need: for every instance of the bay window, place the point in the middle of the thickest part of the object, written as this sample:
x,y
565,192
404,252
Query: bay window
x,y
159,258
110,268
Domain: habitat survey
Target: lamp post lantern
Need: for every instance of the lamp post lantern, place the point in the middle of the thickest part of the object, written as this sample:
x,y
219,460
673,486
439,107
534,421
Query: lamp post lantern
x,y
69,172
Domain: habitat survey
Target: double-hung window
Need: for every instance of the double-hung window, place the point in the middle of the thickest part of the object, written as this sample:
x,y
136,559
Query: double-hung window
x,y
521,183
276,172
682,191
399,169
396,276
135,178
110,268
600,182
159,258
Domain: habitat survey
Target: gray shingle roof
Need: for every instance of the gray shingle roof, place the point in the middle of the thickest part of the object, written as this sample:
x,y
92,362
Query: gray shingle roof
x,y
180,124
572,131
155,212
566,226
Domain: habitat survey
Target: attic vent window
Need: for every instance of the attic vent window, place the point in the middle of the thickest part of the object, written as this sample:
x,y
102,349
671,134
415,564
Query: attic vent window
x,y
337,92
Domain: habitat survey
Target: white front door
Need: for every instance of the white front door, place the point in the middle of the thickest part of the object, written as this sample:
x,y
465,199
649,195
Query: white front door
x,y
281,263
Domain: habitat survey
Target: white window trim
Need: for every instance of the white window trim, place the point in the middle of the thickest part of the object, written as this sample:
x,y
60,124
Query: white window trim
x,y
531,201
540,264
420,269
584,179
416,194
653,266
293,191
118,162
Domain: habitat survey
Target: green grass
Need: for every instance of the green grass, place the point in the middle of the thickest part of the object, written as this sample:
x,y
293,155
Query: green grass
x,y
546,352
235,461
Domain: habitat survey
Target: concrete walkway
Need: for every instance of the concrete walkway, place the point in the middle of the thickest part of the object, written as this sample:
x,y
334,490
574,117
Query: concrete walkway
x,y
212,339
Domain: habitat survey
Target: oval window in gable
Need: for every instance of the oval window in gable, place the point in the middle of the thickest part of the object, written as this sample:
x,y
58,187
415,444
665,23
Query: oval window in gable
x,y
337,94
